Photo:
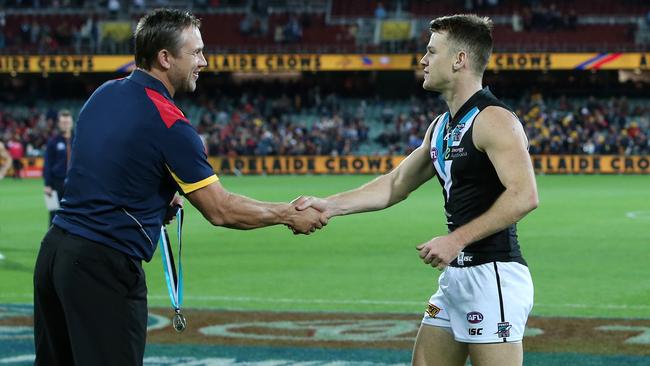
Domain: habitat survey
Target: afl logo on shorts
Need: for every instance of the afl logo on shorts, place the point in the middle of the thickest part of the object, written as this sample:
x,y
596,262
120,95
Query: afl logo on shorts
x,y
474,317
434,153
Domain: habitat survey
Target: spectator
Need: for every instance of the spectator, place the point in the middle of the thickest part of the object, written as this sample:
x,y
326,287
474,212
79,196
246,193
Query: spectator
x,y
114,8
5,160
571,20
380,12
17,153
517,22
57,158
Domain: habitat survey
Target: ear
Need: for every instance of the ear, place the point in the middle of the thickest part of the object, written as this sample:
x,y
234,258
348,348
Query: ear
x,y
164,59
460,60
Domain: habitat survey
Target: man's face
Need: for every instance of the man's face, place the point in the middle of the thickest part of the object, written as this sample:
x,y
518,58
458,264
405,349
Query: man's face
x,y
65,123
437,62
189,61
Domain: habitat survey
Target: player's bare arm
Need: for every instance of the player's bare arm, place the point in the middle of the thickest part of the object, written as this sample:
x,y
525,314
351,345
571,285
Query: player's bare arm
x,y
222,208
500,135
384,191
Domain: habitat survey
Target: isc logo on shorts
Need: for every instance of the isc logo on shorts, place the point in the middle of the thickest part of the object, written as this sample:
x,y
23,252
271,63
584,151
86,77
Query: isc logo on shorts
x,y
433,310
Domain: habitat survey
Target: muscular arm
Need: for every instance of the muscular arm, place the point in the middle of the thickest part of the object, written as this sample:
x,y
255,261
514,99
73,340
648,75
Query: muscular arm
x,y
222,208
500,135
383,191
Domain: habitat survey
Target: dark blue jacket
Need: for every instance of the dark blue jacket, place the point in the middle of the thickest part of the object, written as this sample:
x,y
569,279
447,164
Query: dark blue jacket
x,y
56,159
133,149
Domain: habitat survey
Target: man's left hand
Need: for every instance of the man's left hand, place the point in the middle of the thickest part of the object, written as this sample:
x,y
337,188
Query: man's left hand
x,y
174,206
439,251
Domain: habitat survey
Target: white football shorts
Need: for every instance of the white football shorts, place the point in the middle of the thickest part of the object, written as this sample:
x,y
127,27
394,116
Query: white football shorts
x,y
488,303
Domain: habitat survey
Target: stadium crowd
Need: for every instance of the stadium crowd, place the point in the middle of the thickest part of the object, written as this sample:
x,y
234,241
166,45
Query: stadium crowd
x,y
332,125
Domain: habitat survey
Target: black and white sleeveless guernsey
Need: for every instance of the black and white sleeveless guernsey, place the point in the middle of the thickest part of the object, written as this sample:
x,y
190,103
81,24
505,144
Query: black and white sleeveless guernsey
x,y
470,182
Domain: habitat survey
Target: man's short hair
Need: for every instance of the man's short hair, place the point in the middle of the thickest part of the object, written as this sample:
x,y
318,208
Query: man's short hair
x,y
64,113
160,29
468,32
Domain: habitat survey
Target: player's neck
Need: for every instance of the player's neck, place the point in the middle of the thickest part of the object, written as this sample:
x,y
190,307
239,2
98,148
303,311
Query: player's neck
x,y
460,93
162,76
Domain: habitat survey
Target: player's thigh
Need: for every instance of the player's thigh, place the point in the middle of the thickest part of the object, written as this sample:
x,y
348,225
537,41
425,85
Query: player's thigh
x,y
435,346
497,354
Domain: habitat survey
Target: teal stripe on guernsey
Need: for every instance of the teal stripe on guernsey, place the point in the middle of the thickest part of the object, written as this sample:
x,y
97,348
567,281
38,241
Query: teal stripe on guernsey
x,y
468,115
439,143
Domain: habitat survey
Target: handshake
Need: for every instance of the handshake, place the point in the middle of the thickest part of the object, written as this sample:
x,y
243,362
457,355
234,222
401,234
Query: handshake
x,y
306,214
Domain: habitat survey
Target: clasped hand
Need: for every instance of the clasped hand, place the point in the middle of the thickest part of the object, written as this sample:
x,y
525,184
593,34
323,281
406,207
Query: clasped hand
x,y
310,214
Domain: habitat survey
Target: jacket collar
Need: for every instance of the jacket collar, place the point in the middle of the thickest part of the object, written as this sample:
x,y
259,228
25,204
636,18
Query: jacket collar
x,y
148,81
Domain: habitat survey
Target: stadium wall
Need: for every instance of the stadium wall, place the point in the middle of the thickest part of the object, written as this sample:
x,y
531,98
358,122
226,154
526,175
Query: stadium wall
x,y
264,63
254,165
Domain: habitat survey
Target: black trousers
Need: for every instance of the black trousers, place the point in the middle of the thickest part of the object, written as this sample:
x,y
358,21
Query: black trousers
x,y
90,304
17,164
57,185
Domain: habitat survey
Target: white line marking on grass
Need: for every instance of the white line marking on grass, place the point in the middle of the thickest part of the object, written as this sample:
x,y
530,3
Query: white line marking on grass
x,y
599,306
638,214
378,302
251,299
293,300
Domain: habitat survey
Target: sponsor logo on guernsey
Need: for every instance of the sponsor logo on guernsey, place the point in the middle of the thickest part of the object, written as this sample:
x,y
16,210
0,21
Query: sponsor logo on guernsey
x,y
457,152
475,331
503,330
433,310
474,317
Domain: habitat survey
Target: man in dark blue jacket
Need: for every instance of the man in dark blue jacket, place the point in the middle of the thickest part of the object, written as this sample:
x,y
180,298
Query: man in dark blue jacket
x,y
57,156
133,150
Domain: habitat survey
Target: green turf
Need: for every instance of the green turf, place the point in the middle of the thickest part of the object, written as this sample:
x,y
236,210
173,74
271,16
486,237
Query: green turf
x,y
586,256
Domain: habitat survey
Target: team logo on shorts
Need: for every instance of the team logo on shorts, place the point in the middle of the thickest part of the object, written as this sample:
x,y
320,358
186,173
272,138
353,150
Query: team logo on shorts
x,y
474,317
433,310
503,330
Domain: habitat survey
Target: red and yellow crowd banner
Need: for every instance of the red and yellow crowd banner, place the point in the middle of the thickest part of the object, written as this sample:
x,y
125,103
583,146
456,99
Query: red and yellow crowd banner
x,y
543,164
267,63
305,164
254,165
591,164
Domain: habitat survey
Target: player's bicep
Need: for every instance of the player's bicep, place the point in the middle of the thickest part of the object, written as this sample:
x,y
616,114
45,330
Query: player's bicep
x,y
185,158
501,136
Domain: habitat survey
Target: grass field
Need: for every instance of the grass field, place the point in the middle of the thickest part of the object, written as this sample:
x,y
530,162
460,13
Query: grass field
x,y
586,245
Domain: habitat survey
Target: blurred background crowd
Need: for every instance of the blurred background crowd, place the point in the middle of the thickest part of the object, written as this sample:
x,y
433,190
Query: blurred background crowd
x,y
256,124
370,113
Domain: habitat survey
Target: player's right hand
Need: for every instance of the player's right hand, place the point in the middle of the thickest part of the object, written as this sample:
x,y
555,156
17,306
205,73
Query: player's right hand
x,y
307,221
321,204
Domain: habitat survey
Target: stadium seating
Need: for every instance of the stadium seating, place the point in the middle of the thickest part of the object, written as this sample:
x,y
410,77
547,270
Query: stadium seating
x,y
576,125
507,7
599,26
589,38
